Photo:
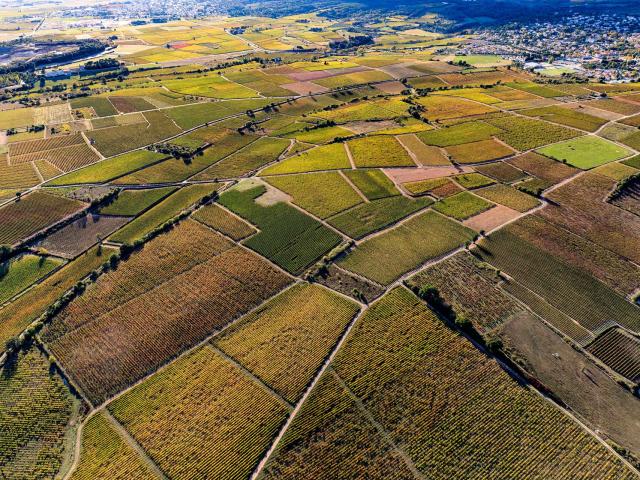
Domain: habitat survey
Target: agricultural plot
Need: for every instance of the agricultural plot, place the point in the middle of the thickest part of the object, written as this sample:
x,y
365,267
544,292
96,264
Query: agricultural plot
x,y
36,410
567,288
476,152
132,202
249,159
166,314
204,408
566,116
379,151
17,315
373,184
80,235
322,193
525,134
115,140
439,187
165,210
333,438
328,157
615,106
224,222
347,283
101,106
612,269
32,213
467,132
295,330
17,176
620,351
109,169
17,151
19,117
368,385
471,288
130,104
473,180
64,159
225,142
387,256
104,454
361,111
509,197
20,273
352,79
542,167
585,152
443,108
366,218
425,155
536,89
287,236
462,205
579,208
502,171
320,136
213,86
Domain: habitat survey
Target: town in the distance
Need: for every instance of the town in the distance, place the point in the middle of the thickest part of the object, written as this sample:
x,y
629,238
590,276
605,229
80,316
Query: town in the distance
x,y
321,240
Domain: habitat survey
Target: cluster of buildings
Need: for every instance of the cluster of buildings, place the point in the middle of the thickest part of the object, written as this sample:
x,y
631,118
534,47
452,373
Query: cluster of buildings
x,y
597,47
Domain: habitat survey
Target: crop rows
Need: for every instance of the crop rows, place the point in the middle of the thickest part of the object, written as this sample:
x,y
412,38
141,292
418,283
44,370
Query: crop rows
x,y
35,410
287,236
409,373
322,193
34,146
107,354
32,213
65,159
567,288
204,409
105,455
620,351
221,220
387,256
470,289
295,331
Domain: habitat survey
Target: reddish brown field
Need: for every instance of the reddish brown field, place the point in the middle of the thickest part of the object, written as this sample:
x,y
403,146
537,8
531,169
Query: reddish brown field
x,y
492,218
117,347
612,269
580,209
405,175
33,213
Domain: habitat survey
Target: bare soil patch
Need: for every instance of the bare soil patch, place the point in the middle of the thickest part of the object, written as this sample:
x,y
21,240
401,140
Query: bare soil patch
x,y
75,238
304,88
347,283
492,218
575,379
393,88
405,175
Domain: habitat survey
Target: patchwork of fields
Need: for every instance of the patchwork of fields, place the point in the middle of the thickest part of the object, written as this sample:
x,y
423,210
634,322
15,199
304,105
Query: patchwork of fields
x,y
258,255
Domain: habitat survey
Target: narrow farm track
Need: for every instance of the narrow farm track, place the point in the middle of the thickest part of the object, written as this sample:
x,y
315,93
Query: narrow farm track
x,y
252,377
379,428
325,368
126,436
305,395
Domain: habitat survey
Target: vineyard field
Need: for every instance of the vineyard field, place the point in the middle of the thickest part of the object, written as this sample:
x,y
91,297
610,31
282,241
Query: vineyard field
x,y
295,330
33,213
204,408
399,250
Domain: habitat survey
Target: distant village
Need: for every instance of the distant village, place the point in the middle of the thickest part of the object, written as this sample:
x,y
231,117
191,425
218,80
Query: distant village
x,y
602,48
